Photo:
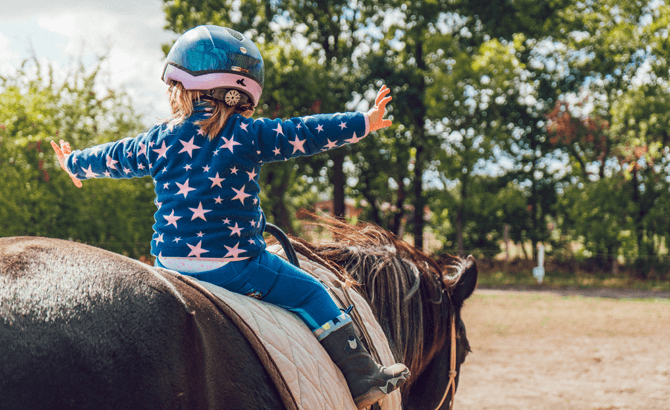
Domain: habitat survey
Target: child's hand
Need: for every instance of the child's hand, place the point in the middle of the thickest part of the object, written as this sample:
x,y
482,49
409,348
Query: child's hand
x,y
62,152
376,114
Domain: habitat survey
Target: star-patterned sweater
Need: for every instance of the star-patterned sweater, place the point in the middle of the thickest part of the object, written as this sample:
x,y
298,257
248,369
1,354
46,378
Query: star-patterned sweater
x,y
207,190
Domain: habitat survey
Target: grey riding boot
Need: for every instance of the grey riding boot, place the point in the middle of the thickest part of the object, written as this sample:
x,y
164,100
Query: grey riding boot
x,y
368,381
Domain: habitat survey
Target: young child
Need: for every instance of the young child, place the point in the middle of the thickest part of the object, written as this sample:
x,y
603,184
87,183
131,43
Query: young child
x,y
205,160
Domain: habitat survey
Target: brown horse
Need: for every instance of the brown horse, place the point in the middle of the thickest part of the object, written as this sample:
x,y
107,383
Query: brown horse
x,y
81,327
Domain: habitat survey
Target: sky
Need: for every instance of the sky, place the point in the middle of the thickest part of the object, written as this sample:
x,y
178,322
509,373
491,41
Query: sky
x,y
130,32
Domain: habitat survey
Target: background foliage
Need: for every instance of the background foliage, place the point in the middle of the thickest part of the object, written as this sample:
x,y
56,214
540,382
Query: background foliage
x,y
550,117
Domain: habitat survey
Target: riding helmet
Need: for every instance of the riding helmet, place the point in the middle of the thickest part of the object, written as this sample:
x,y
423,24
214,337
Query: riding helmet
x,y
220,61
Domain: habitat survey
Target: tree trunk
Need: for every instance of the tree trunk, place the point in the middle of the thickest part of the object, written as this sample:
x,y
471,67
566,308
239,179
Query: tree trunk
x,y
459,231
375,214
465,182
639,215
419,201
419,112
399,213
339,209
523,248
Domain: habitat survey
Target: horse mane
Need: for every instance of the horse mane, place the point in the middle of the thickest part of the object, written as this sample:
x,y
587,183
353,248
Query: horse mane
x,y
404,286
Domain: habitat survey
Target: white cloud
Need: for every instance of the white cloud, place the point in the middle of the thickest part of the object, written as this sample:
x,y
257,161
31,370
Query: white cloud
x,y
129,32
8,58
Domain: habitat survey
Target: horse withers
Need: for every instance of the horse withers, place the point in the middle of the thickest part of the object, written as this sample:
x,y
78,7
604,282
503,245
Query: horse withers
x,y
84,328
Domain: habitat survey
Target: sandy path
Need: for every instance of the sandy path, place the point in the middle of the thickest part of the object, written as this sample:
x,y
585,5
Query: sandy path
x,y
549,351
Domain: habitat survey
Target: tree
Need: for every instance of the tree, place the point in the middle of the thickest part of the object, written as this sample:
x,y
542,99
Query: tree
x,y
36,197
466,94
623,133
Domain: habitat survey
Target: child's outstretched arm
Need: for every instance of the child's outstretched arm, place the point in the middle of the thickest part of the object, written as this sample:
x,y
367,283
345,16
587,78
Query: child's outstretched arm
x,y
62,152
376,114
279,140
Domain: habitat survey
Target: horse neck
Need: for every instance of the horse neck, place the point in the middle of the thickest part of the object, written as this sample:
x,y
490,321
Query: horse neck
x,y
415,324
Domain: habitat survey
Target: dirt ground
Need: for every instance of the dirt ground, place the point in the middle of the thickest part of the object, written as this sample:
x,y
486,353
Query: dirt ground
x,y
542,350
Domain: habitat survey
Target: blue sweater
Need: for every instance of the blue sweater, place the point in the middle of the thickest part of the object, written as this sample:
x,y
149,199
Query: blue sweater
x,y
207,190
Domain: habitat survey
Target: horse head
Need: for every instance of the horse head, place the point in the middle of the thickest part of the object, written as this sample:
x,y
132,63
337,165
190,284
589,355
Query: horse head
x,y
434,387
415,298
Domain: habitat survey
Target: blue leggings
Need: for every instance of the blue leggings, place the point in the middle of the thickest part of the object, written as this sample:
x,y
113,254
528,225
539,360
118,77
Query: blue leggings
x,y
275,280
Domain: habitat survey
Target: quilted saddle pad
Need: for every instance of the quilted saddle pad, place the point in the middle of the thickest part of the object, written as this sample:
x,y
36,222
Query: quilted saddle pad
x,y
304,374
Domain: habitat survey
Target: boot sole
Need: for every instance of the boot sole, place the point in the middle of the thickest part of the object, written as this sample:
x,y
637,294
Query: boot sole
x,y
375,394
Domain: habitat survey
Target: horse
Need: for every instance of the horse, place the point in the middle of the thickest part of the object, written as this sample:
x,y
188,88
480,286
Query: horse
x,y
81,327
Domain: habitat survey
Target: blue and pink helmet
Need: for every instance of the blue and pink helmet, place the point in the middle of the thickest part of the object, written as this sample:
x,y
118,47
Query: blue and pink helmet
x,y
219,61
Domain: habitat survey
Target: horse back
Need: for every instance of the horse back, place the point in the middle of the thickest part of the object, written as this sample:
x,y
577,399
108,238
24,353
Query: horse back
x,y
81,327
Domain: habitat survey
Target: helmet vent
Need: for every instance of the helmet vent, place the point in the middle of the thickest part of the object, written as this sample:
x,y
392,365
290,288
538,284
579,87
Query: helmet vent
x,y
238,36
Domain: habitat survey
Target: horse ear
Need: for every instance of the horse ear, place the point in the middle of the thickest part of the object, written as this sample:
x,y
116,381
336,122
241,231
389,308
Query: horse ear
x,y
467,282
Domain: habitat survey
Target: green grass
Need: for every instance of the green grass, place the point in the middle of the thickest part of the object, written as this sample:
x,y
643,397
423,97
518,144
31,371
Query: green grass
x,y
557,280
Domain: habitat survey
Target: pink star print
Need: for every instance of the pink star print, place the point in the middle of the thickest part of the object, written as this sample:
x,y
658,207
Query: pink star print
x,y
235,230
234,252
319,127
277,151
89,172
218,199
252,175
353,139
107,174
184,188
343,125
279,130
205,168
172,219
188,147
216,181
200,131
240,194
111,162
226,221
331,144
230,143
159,239
143,149
298,145
200,234
162,150
199,212
244,126
196,250
234,170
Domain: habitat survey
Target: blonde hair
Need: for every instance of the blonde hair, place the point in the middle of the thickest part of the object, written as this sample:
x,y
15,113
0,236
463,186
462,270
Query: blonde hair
x,y
181,103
